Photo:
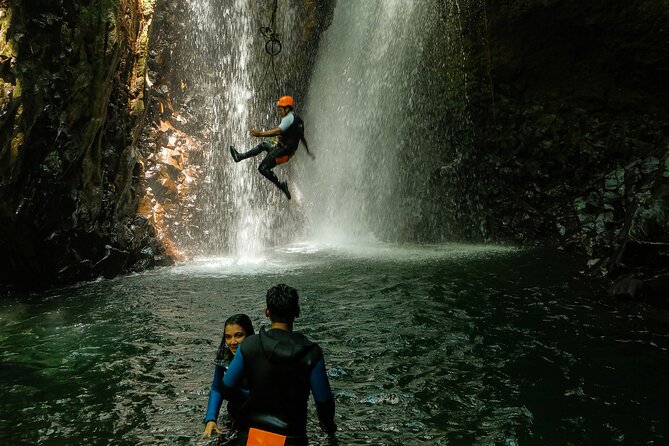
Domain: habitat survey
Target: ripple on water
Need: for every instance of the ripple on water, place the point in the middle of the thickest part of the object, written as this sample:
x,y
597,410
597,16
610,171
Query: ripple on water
x,y
420,349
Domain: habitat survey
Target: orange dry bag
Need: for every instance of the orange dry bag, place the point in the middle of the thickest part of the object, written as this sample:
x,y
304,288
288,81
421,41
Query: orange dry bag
x,y
259,437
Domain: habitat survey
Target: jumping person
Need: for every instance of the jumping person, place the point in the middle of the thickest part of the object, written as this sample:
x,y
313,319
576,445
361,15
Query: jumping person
x,y
281,367
236,328
288,135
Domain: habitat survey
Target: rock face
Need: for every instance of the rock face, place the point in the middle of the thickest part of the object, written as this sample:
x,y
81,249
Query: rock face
x,y
570,110
72,98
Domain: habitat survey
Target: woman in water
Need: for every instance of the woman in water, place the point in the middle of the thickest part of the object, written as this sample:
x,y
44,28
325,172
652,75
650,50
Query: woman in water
x,y
237,327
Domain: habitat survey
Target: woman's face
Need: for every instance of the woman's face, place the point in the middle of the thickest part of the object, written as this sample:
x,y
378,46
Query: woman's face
x,y
234,335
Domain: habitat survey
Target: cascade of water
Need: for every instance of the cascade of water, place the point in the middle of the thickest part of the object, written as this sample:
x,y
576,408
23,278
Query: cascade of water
x,y
227,64
359,83
380,107
373,109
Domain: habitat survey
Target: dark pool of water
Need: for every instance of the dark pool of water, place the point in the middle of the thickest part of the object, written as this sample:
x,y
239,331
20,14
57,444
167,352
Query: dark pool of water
x,y
445,345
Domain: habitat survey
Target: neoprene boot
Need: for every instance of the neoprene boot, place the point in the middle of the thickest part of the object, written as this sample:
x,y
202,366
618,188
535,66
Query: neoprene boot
x,y
266,171
284,188
235,154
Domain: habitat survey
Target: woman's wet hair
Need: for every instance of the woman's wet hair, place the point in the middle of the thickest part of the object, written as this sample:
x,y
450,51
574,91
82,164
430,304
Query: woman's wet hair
x,y
283,303
224,354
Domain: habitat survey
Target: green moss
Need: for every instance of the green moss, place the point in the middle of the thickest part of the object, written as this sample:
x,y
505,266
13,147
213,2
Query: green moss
x,y
6,47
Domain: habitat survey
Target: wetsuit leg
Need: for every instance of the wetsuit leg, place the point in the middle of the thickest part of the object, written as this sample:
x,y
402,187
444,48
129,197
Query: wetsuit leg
x,y
265,168
262,147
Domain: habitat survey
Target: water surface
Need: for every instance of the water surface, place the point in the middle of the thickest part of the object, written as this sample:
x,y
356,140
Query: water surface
x,y
439,345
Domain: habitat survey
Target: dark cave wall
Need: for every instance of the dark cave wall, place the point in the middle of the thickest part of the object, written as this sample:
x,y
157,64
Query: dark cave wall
x,y
570,111
72,78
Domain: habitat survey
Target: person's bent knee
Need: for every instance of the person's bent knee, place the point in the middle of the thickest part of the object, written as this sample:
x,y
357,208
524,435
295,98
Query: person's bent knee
x,y
267,164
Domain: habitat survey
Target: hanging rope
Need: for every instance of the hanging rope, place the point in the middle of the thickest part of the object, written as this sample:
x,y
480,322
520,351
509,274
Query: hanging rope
x,y
272,46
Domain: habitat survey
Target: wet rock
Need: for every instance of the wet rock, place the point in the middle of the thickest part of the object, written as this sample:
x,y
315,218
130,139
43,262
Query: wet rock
x,y
653,288
112,264
71,101
650,222
588,127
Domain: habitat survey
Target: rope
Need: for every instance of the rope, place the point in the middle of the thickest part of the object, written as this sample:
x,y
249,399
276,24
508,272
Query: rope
x,y
269,66
273,22
272,46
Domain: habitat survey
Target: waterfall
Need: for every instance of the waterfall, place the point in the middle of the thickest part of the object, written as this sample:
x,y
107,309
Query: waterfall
x,y
375,119
227,65
387,86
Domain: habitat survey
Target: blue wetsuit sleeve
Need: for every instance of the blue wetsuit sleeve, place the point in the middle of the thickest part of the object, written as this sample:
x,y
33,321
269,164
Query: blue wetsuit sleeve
x,y
235,373
215,398
320,386
325,403
286,122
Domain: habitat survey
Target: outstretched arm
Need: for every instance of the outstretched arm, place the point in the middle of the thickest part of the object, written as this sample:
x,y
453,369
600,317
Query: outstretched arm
x,y
263,133
306,146
214,404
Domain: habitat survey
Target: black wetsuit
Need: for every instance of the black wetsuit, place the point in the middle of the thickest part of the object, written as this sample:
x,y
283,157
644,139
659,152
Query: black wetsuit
x,y
281,368
282,151
291,136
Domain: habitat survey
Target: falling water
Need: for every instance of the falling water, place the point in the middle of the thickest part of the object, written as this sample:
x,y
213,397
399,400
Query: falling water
x,y
228,67
386,89
376,112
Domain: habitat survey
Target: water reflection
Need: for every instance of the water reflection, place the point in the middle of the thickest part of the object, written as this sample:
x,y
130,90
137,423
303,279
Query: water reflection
x,y
434,345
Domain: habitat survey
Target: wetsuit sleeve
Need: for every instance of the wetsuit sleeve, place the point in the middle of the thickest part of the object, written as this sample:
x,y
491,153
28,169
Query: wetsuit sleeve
x,y
286,122
233,376
320,386
325,404
215,398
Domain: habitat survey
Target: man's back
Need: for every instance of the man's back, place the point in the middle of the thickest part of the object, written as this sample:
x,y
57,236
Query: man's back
x,y
278,366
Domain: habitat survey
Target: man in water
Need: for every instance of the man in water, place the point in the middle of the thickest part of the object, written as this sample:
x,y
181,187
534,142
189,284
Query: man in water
x,y
288,135
281,367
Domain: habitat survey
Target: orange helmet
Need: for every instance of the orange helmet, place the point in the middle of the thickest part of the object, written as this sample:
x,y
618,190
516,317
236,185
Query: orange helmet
x,y
286,101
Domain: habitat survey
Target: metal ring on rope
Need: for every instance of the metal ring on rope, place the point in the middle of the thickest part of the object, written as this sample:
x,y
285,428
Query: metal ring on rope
x,y
273,46
272,43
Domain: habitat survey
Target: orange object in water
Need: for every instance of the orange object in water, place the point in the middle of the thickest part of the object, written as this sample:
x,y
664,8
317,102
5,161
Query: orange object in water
x,y
258,437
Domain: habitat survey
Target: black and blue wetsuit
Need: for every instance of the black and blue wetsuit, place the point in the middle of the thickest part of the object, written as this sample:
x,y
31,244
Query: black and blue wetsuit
x,y
281,369
216,399
292,132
